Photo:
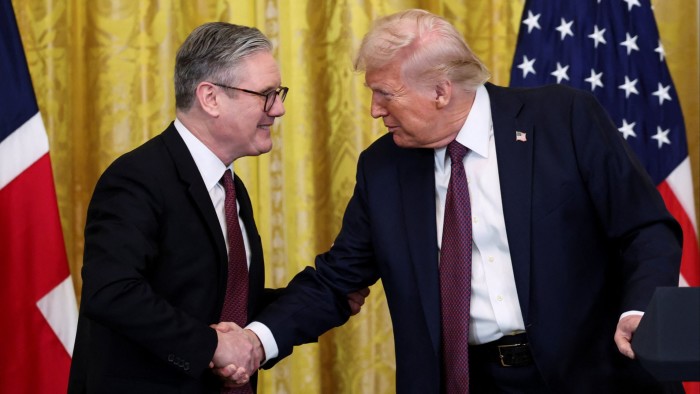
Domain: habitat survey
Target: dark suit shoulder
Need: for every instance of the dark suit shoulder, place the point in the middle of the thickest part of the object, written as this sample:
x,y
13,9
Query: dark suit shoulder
x,y
543,97
552,90
146,157
165,156
150,169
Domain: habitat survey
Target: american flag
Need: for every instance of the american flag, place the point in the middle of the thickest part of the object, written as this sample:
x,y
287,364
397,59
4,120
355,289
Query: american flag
x,y
612,49
38,312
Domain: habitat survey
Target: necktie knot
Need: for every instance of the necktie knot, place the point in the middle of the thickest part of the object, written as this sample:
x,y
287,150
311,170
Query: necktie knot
x,y
456,151
227,181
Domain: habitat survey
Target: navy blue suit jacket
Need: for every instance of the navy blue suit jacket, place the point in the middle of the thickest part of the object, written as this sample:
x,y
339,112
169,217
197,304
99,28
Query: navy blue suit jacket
x,y
154,275
589,238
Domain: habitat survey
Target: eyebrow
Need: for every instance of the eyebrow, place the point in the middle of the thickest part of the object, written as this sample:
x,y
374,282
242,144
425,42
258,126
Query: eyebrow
x,y
273,87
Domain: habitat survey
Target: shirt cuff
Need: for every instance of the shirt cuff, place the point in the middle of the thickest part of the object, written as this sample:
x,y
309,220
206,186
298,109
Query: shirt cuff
x,y
628,313
266,339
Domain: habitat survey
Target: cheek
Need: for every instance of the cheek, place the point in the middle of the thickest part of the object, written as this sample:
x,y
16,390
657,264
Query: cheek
x,y
412,117
410,110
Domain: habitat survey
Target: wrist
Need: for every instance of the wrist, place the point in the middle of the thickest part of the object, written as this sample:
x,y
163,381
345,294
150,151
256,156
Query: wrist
x,y
258,350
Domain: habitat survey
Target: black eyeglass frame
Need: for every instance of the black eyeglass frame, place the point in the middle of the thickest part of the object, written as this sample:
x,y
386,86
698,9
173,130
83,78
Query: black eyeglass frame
x,y
270,96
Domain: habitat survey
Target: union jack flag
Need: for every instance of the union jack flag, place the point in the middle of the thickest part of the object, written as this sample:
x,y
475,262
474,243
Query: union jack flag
x,y
38,309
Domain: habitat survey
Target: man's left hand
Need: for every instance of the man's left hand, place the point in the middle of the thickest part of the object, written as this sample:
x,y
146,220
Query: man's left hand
x,y
624,333
357,299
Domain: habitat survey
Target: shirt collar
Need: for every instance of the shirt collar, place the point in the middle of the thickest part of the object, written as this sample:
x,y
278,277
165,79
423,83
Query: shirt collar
x,y
477,129
210,167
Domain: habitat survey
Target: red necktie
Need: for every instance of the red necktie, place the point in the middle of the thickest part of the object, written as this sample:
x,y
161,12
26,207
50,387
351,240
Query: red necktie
x,y
455,276
235,307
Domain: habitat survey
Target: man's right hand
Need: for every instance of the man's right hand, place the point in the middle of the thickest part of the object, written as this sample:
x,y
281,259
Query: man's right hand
x,y
238,353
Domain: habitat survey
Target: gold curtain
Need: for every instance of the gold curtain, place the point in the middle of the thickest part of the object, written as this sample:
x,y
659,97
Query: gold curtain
x,y
102,72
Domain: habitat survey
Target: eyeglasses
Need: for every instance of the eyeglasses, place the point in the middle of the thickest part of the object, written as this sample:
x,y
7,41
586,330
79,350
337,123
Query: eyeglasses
x,y
269,96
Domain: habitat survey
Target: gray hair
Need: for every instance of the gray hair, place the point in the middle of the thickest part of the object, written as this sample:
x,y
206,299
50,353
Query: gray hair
x,y
430,46
214,51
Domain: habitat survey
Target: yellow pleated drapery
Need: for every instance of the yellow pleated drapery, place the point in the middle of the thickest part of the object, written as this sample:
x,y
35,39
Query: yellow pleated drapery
x,y
102,72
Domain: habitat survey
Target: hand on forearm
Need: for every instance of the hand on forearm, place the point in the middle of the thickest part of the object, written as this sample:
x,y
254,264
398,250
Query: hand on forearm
x,y
356,300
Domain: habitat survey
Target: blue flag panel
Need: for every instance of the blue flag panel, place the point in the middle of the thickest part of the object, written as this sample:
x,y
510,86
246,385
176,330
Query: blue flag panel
x,y
17,101
612,49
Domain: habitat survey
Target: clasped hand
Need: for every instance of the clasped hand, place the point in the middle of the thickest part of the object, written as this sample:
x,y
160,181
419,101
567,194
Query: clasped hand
x,y
238,354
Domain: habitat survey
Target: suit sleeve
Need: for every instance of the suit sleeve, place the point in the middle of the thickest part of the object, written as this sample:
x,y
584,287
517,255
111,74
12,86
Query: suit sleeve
x,y
316,299
640,230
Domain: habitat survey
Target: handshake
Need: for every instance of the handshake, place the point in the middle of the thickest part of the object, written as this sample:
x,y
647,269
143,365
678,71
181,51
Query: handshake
x,y
238,354
239,351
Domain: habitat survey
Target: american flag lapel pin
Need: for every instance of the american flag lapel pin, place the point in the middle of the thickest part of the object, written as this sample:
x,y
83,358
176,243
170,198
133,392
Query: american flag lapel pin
x,y
520,136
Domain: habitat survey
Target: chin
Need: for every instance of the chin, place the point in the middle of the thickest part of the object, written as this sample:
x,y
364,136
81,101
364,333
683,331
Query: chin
x,y
401,142
265,149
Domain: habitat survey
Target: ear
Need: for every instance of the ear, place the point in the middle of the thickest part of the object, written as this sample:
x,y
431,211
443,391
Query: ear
x,y
208,98
443,93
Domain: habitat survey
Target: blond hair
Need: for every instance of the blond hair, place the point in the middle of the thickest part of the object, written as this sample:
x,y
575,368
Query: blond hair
x,y
430,47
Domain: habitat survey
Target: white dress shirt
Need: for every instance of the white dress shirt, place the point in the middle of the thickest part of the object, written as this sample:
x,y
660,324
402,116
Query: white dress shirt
x,y
495,310
212,169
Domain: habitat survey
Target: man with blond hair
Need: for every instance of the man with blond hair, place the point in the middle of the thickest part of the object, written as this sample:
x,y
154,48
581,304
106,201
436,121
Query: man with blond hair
x,y
517,238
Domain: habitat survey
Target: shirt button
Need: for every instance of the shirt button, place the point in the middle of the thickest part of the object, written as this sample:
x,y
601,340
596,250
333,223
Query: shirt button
x,y
499,298
491,259
476,219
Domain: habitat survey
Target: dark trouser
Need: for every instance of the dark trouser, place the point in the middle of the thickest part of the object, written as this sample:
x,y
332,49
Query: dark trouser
x,y
504,366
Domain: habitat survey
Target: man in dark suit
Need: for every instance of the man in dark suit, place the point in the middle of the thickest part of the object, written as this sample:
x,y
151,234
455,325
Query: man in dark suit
x,y
563,241
162,265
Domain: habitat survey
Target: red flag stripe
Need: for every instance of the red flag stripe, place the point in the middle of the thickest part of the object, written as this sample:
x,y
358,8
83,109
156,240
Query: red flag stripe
x,y
34,263
690,263
680,180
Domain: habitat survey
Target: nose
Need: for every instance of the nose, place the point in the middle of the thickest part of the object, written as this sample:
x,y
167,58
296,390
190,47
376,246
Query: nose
x,y
277,109
377,108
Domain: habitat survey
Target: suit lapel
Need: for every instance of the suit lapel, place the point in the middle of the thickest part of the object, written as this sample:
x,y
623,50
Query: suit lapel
x,y
515,175
256,272
190,176
417,179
